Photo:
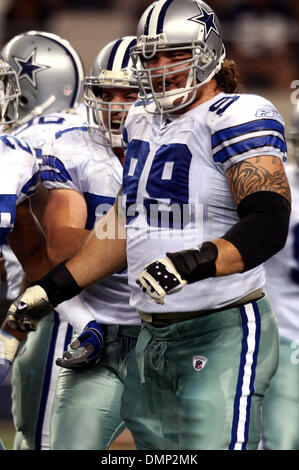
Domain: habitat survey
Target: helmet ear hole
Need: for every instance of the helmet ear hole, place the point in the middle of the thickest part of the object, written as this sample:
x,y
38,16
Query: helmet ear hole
x,y
97,91
23,101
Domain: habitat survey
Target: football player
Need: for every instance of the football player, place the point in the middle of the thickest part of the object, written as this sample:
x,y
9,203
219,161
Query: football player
x,y
82,169
19,180
51,78
19,177
281,404
204,189
9,93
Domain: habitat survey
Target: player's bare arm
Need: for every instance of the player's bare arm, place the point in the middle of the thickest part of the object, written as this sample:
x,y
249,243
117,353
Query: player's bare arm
x,y
39,201
27,241
258,174
250,176
100,257
64,222
105,255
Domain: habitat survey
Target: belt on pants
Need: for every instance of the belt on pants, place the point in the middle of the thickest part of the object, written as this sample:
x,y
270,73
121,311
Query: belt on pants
x,y
165,319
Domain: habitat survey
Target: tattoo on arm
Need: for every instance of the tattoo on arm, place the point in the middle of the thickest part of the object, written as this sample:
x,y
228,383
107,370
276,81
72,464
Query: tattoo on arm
x,y
258,174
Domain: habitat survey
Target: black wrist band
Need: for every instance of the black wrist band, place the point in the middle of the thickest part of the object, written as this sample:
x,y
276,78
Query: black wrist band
x,y
59,285
196,264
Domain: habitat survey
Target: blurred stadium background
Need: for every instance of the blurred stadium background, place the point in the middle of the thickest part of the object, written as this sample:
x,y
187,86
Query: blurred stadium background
x,y
261,35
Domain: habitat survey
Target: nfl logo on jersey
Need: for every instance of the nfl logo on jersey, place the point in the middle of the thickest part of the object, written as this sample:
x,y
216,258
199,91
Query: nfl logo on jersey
x,y
199,362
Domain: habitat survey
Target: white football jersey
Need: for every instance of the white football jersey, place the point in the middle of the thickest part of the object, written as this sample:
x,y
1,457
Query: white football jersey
x,y
40,129
282,270
74,161
19,178
176,193
36,132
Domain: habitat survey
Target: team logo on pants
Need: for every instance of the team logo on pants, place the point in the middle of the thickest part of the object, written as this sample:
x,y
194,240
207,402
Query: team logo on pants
x,y
199,362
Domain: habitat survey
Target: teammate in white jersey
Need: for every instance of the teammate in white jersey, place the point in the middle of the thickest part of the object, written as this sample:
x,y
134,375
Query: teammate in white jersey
x,y
204,189
19,177
82,168
281,405
9,89
51,77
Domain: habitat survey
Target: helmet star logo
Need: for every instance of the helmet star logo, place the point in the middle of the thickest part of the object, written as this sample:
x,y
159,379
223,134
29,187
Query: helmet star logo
x,y
28,68
207,20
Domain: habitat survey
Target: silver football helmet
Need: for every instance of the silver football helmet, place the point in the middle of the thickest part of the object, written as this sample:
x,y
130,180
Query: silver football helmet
x,y
9,93
293,134
180,25
111,69
49,70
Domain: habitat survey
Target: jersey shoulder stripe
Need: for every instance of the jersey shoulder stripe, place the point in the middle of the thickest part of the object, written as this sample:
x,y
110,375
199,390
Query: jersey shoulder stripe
x,y
54,169
249,144
30,187
224,135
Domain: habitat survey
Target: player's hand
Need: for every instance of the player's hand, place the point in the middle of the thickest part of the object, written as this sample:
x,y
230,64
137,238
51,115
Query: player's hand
x,y
8,349
28,309
85,350
160,278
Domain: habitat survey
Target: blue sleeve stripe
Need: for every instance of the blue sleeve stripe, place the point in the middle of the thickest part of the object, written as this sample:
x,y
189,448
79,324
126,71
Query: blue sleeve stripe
x,y
93,202
247,145
252,126
56,167
30,187
52,175
70,129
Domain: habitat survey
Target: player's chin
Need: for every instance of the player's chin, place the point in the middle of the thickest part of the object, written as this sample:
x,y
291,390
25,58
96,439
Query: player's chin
x,y
185,101
177,102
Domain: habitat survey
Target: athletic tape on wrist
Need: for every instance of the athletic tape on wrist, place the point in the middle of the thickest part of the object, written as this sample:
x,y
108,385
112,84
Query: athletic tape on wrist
x,y
8,346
